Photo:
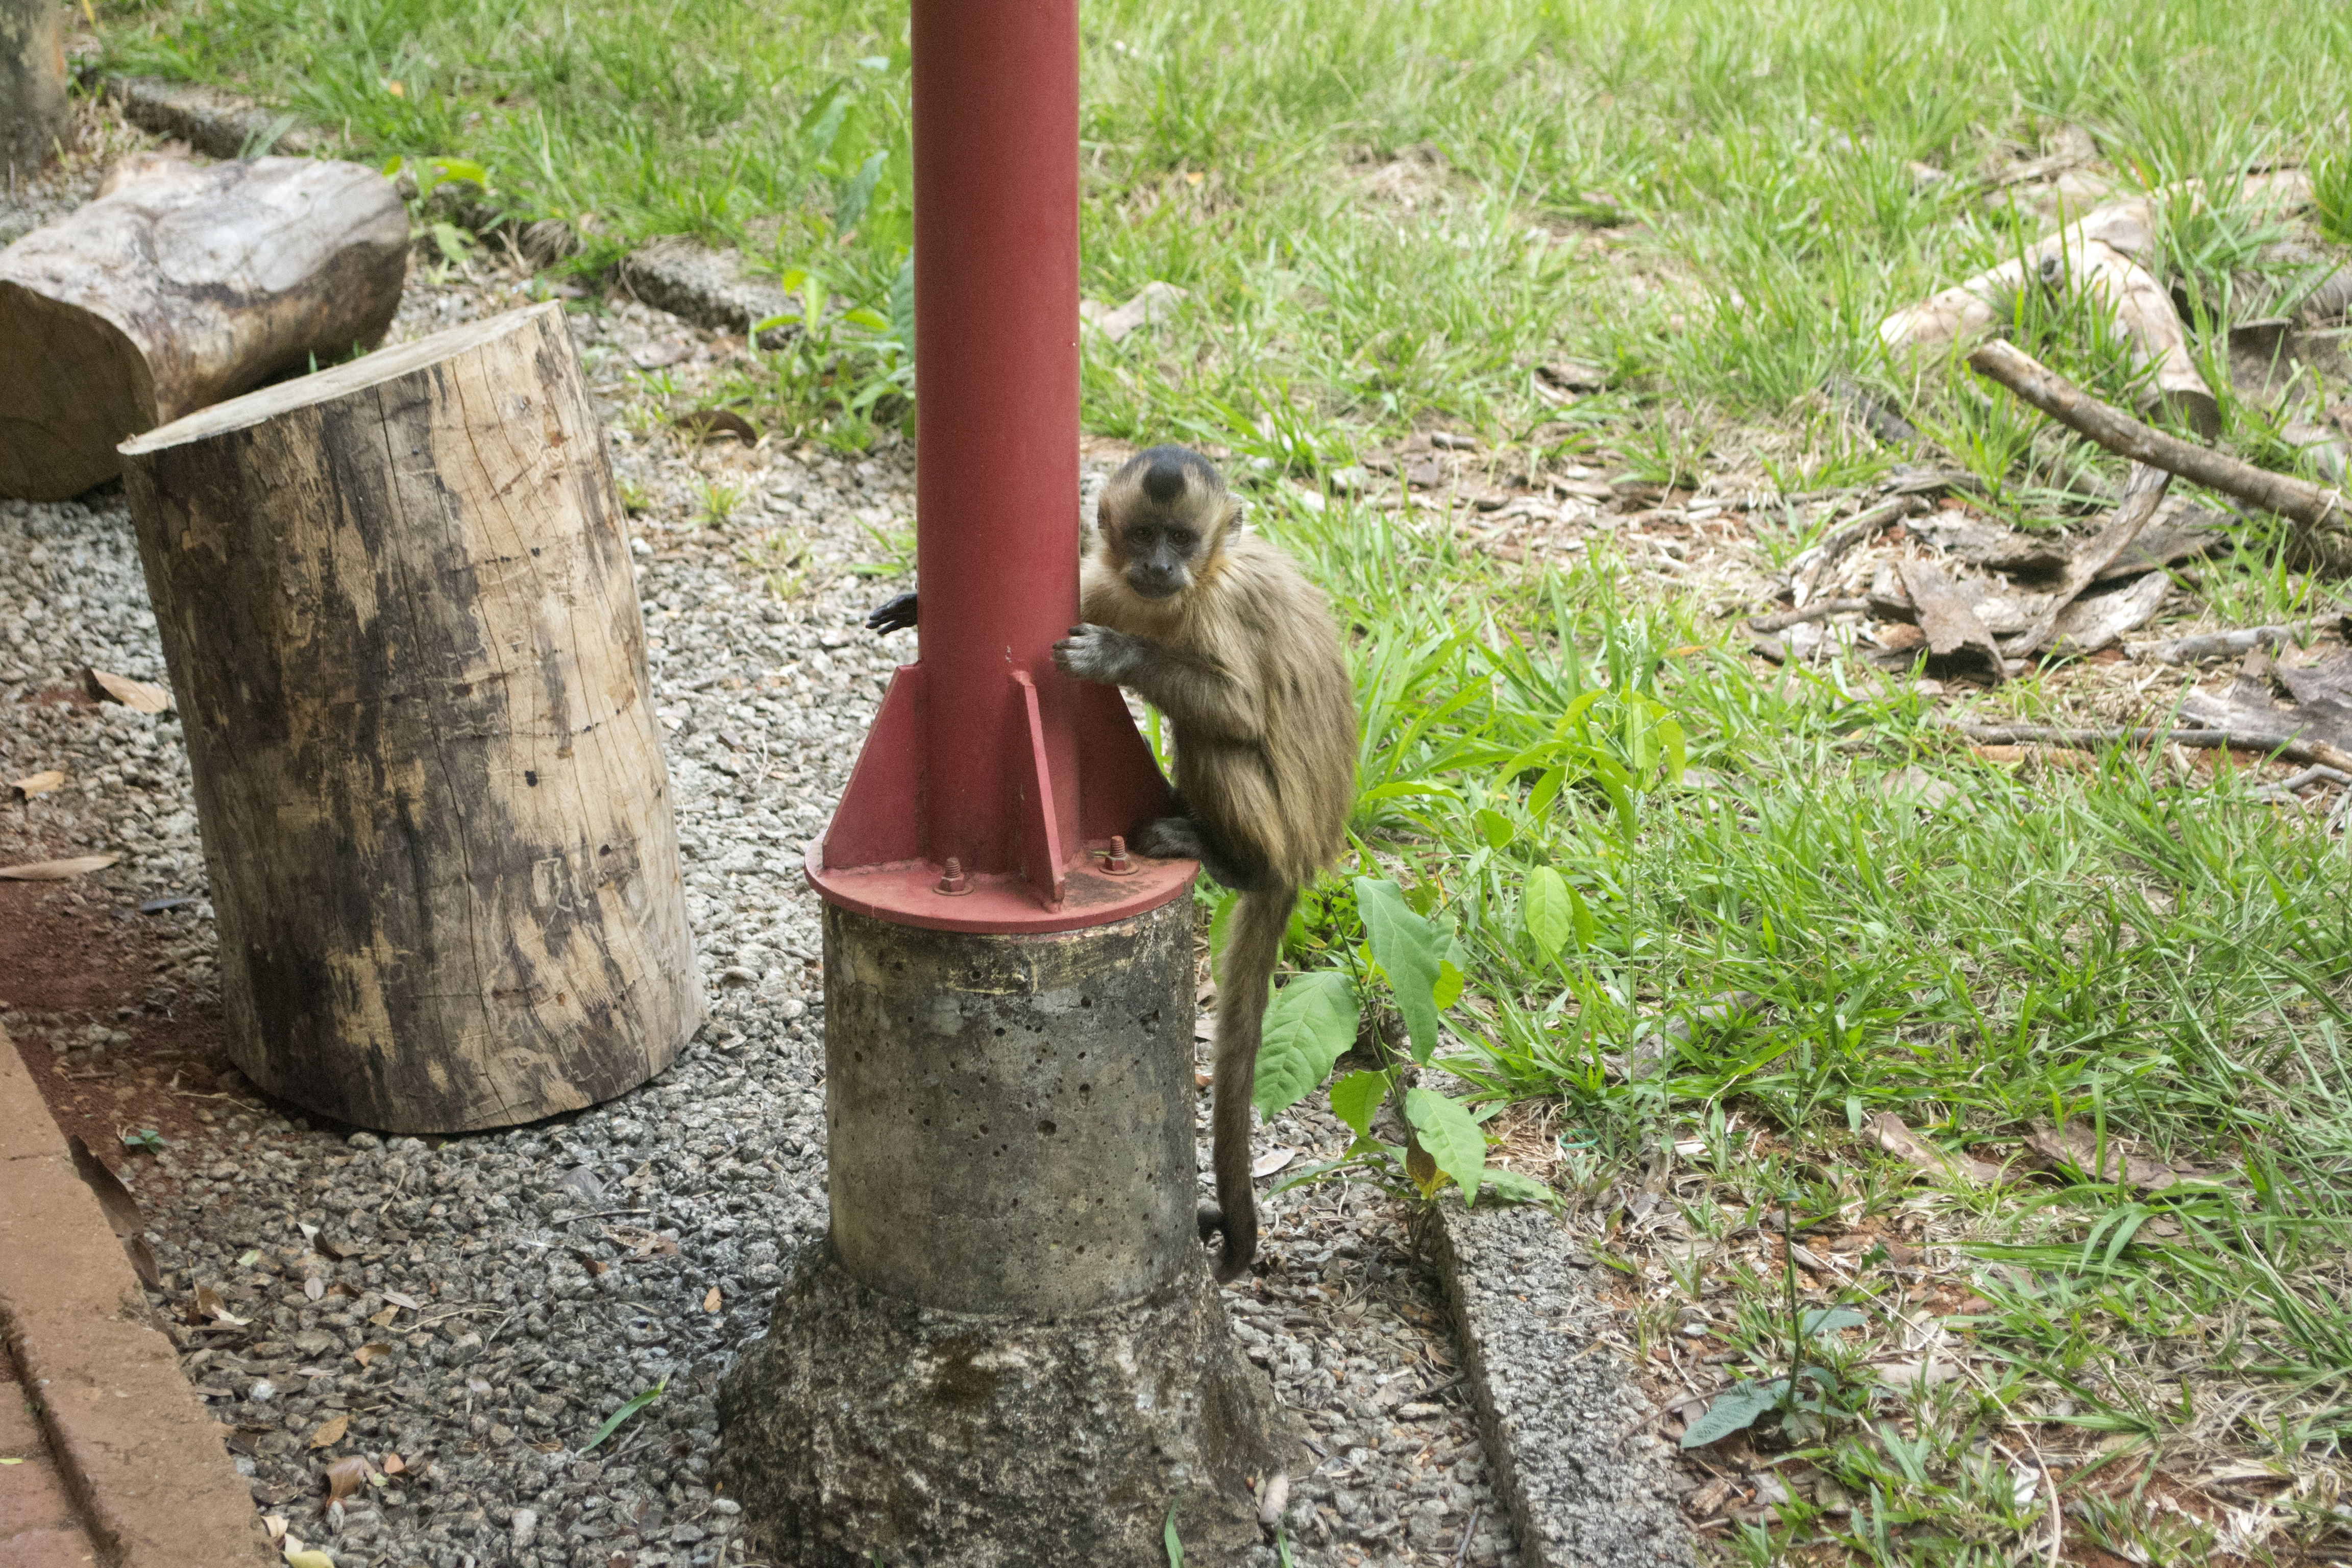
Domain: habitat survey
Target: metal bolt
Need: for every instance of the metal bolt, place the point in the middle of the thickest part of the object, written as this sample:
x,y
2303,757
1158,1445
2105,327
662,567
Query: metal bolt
x,y
952,883
1118,865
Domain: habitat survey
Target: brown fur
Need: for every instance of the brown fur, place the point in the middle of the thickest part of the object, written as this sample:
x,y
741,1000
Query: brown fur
x,y
1239,652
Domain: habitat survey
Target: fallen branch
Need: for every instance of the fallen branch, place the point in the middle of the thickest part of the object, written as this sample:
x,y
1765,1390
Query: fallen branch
x,y
2284,746
2318,511
1824,556
2223,645
1819,610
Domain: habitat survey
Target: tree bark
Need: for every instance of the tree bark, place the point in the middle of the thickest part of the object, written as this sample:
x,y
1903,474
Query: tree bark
x,y
35,115
398,608
178,287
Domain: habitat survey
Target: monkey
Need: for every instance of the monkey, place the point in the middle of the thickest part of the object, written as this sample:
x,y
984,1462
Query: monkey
x,y
1220,631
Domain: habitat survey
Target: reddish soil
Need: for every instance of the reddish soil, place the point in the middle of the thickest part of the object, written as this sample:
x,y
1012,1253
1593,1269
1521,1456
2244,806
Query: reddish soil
x,y
71,957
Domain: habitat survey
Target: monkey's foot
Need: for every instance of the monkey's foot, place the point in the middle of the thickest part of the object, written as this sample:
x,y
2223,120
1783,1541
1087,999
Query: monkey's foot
x,y
1171,838
893,614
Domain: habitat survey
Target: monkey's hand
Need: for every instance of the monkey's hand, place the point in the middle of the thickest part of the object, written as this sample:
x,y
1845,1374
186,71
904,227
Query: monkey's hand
x,y
894,614
1098,653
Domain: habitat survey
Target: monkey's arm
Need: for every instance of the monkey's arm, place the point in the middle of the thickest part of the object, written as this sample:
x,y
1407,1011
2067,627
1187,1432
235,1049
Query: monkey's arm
x,y
1204,701
894,614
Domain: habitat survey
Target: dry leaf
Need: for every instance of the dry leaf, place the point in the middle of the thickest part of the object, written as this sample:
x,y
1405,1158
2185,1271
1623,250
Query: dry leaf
x,y
315,1289
121,1208
345,1477
32,785
1885,1131
206,1305
397,1300
383,1320
2078,1148
56,870
710,424
710,1303
1274,1500
331,1432
394,1464
309,1558
1272,1160
276,1525
368,1352
133,694
142,1261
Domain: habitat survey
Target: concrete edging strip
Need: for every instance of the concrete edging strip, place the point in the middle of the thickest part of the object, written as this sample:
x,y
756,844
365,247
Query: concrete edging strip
x,y
143,1461
1573,1443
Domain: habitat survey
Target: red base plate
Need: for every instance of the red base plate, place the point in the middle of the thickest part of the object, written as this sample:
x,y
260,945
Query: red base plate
x,y
905,893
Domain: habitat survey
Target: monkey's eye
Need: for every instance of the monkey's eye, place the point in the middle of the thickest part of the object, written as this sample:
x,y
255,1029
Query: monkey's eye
x,y
1181,538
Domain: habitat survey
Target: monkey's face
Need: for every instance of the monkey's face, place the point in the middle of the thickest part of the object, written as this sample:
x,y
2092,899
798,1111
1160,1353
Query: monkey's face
x,y
1161,518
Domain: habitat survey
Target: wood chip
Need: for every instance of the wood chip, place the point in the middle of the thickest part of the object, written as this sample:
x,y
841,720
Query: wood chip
x,y
108,687
56,870
710,1301
31,784
1886,1131
1951,622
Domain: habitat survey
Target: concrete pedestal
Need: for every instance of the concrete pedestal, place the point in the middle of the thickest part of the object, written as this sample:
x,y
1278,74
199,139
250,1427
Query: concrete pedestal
x,y
1008,1351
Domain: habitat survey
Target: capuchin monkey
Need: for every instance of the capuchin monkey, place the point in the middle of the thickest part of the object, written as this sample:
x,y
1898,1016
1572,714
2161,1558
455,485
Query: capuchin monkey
x,y
1217,630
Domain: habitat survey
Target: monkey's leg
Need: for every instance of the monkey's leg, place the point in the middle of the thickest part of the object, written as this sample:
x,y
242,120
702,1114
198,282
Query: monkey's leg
x,y
1185,839
1257,944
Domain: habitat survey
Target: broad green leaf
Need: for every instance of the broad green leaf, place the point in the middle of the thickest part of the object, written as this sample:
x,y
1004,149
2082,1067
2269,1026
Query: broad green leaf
x,y
1355,1099
1514,1187
1577,911
1451,1135
1828,1320
1410,950
1448,989
1168,1539
1309,1023
1494,828
1547,790
1733,1410
857,193
1544,909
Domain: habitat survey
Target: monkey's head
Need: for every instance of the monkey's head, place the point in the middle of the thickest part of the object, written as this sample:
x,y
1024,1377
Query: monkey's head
x,y
1163,516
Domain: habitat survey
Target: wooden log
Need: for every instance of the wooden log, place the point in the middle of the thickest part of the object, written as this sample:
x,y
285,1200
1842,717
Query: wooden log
x,y
35,117
178,287
397,605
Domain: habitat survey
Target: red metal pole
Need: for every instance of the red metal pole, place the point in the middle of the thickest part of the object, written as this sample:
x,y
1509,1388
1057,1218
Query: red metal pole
x,y
996,351
983,752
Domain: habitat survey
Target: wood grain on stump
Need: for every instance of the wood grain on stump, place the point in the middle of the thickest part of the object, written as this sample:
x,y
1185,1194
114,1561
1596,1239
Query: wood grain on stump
x,y
401,625
181,286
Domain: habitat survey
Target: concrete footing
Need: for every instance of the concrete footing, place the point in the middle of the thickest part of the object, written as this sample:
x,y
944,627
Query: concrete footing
x,y
1008,1351
867,1429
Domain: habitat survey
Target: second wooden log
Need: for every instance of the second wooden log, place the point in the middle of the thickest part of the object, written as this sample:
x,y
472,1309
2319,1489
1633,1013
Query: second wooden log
x,y
403,630
178,287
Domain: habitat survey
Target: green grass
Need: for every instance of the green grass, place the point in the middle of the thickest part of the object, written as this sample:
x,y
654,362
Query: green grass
x,y
1387,215
2171,963
1757,157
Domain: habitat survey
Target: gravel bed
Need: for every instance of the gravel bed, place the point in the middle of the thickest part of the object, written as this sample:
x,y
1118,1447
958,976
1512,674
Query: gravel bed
x,y
518,1286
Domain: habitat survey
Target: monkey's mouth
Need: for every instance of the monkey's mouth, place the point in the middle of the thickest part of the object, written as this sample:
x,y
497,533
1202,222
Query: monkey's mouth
x,y
1155,587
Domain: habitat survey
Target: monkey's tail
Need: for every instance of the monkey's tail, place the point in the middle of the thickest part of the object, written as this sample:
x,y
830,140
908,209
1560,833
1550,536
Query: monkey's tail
x,y
1251,953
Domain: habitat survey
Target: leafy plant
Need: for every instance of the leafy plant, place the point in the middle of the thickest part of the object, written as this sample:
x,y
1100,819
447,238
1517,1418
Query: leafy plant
x,y
633,1404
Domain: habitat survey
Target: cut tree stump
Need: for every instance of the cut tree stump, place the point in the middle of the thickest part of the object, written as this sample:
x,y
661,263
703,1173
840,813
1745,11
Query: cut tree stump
x,y
35,116
178,287
397,605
